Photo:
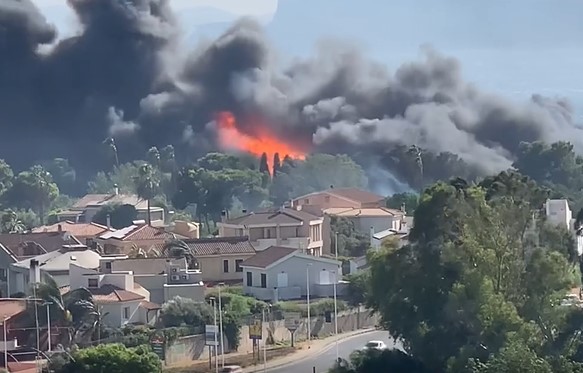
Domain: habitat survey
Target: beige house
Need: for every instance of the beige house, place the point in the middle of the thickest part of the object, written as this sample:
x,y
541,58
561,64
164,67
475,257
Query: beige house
x,y
220,258
375,219
286,227
143,236
120,299
339,198
85,209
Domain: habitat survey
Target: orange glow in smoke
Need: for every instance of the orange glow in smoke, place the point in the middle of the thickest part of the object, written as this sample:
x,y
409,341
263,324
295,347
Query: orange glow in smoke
x,y
230,137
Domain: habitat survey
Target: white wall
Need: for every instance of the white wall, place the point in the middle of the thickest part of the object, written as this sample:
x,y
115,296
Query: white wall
x,y
113,313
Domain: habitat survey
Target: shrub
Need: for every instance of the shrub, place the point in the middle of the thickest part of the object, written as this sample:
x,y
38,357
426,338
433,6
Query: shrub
x,y
185,312
317,308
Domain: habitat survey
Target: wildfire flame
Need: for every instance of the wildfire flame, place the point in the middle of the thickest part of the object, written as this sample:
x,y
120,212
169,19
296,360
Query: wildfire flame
x,y
231,138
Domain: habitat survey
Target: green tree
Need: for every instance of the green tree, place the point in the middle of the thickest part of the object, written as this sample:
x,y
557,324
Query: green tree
x,y
153,156
63,174
167,159
409,201
6,177
34,189
113,358
470,283
372,361
263,165
184,311
276,164
123,176
147,186
110,149
10,223
120,216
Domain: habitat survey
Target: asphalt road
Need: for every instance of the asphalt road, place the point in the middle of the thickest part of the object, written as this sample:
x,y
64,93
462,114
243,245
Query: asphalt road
x,y
325,360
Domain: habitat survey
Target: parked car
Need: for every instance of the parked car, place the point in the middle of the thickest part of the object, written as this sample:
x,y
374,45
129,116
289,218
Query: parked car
x,y
231,369
375,345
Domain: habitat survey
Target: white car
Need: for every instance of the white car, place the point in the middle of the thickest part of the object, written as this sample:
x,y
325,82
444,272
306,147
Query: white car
x,y
375,345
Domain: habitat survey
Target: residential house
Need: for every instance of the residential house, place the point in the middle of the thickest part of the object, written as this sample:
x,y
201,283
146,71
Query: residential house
x,y
143,236
282,273
81,231
340,197
367,219
16,247
401,234
164,278
54,263
559,213
286,227
85,209
10,310
119,298
220,258
185,229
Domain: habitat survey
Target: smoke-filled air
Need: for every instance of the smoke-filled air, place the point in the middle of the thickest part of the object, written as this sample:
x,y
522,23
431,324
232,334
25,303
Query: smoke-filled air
x,y
127,76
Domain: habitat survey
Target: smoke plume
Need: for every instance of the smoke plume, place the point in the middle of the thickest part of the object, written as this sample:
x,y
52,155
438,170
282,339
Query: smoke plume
x,y
123,76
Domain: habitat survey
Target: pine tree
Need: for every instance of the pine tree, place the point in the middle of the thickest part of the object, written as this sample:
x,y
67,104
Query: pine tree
x,y
263,166
276,164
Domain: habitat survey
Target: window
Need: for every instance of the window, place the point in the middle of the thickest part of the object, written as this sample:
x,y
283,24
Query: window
x,y
108,265
263,280
249,279
92,283
126,313
226,266
238,267
3,274
307,201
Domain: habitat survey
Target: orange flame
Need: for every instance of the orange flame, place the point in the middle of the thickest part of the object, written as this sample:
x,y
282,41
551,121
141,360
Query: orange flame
x,y
230,137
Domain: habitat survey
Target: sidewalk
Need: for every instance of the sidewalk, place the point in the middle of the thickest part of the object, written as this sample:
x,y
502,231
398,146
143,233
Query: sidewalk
x,y
304,351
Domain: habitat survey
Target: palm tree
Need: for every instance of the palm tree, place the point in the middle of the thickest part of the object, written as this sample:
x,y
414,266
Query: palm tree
x,y
179,249
111,148
147,185
75,311
10,223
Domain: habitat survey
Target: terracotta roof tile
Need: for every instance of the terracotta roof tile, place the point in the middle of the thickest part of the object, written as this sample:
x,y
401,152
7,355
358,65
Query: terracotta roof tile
x,y
220,246
356,194
150,305
10,307
113,294
79,230
147,232
265,258
282,216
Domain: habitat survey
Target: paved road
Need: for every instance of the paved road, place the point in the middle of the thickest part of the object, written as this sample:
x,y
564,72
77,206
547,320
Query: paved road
x,y
324,360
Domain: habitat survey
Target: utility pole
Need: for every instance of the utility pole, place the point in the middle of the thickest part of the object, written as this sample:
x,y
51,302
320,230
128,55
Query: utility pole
x,y
221,327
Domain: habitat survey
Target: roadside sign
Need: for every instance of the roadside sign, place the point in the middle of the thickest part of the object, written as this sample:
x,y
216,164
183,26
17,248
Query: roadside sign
x,y
158,346
256,330
292,320
210,331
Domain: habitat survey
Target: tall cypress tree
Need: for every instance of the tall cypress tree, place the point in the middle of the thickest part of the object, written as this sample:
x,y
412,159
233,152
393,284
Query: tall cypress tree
x,y
276,164
263,166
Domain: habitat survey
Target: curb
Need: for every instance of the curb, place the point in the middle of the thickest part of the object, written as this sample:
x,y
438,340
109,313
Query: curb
x,y
312,352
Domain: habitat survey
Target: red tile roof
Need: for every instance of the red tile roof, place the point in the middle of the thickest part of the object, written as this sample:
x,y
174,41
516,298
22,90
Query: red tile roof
x,y
147,232
220,246
79,230
356,194
281,216
267,257
113,294
10,307
150,305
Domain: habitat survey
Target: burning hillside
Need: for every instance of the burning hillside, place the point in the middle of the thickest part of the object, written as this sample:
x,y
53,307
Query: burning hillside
x,y
262,140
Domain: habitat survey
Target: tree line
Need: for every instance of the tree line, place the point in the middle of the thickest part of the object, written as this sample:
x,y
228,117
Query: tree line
x,y
482,286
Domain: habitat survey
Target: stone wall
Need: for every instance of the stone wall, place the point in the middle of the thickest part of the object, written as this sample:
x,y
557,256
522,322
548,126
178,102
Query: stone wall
x,y
193,347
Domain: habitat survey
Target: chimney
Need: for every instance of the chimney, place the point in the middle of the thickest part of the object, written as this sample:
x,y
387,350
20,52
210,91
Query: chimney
x,y
331,186
115,189
34,271
108,220
223,216
244,211
60,228
403,209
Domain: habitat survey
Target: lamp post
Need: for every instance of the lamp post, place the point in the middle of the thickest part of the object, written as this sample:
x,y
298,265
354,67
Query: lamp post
x,y
212,299
336,313
308,302
5,344
336,244
221,326
48,304
264,340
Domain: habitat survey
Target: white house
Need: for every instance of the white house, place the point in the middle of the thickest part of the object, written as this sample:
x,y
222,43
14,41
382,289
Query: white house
x,y
55,263
559,213
120,300
280,273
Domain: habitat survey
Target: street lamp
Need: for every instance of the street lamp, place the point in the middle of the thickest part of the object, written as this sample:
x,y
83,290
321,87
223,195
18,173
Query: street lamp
x,y
48,304
221,326
212,299
5,344
335,313
308,301
264,339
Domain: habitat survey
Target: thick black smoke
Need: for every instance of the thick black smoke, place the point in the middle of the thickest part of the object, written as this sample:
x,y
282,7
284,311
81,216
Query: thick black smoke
x,y
125,75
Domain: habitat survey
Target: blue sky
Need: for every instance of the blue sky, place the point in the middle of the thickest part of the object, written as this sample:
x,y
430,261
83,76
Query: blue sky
x,y
515,47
